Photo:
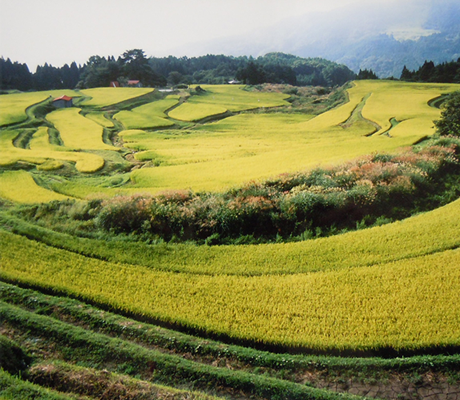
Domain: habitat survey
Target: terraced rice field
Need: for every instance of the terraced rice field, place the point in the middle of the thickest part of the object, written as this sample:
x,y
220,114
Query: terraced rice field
x,y
13,106
41,151
78,132
234,98
195,112
256,146
220,99
247,146
100,119
19,186
103,97
387,287
151,115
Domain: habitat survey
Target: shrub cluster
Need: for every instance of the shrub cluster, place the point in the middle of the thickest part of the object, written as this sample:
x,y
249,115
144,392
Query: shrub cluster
x,y
369,190
12,357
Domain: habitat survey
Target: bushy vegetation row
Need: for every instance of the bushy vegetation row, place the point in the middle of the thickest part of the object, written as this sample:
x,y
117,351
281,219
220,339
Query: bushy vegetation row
x,y
424,234
370,190
101,348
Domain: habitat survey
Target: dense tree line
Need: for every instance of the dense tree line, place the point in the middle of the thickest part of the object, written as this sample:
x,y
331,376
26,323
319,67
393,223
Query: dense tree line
x,y
14,75
447,72
211,69
132,64
271,68
366,74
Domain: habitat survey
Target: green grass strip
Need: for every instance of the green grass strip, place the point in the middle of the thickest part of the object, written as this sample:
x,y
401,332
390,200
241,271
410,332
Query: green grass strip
x,y
66,377
13,388
165,366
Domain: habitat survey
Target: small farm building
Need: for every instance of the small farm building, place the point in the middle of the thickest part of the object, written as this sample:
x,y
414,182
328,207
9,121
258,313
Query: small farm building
x,y
134,83
114,84
63,102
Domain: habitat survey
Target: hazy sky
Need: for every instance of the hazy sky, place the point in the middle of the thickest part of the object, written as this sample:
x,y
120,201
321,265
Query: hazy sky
x,y
62,31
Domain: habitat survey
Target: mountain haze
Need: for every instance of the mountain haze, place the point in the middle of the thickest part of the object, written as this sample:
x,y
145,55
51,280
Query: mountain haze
x,y
381,37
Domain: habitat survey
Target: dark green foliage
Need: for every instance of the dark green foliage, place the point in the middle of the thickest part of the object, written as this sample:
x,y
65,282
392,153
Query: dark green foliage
x,y
211,69
367,74
447,72
449,124
12,357
14,75
252,74
100,71
17,76
257,73
48,77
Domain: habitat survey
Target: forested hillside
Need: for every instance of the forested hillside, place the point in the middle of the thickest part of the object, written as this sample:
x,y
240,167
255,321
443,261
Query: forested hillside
x,y
211,69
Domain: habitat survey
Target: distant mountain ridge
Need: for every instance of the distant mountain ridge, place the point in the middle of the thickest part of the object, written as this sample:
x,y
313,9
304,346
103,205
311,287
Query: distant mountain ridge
x,y
373,36
386,55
